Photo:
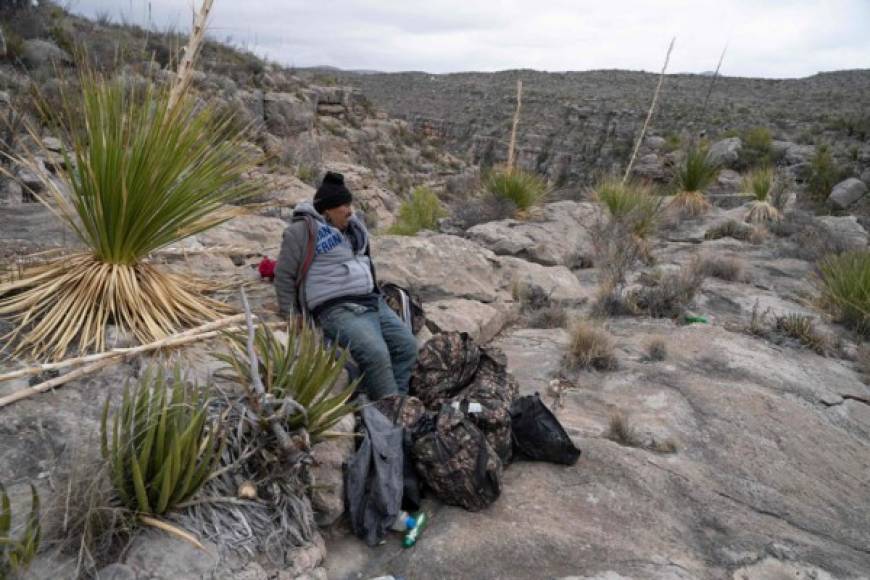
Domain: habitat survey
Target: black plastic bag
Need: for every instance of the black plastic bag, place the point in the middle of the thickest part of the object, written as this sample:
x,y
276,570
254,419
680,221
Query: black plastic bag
x,y
538,435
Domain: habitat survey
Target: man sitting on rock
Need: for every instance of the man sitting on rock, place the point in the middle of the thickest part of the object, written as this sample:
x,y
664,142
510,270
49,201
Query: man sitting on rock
x,y
325,272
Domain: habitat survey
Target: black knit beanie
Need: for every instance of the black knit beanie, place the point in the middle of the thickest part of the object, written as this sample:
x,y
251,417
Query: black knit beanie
x,y
332,192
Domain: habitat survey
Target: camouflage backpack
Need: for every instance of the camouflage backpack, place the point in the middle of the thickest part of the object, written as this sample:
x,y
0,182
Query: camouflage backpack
x,y
401,409
406,305
445,365
454,459
494,390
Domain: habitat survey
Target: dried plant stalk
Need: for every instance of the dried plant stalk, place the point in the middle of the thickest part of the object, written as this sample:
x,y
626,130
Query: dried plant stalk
x,y
513,142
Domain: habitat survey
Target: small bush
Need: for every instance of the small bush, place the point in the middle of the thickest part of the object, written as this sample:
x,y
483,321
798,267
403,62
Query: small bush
x,y
845,285
696,172
673,293
591,347
656,349
523,189
730,229
161,450
553,316
537,307
757,148
823,174
621,431
421,212
730,269
16,554
759,182
803,328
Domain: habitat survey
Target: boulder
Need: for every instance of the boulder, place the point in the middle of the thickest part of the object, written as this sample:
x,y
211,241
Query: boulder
x,y
557,282
156,554
798,154
438,266
848,227
246,234
562,236
481,321
37,53
846,193
654,142
726,152
650,166
287,114
327,496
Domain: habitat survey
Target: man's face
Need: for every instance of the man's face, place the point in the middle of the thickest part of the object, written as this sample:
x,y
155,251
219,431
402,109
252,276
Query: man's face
x,y
339,216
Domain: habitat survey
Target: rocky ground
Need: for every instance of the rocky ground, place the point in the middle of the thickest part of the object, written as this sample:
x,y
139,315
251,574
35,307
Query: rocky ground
x,y
770,474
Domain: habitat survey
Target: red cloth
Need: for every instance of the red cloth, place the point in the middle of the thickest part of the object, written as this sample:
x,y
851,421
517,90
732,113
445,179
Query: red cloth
x,y
267,268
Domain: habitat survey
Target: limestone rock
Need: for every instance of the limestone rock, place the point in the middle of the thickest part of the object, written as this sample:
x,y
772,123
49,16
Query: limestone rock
x,y
846,193
481,321
158,555
37,53
557,282
848,227
329,455
249,233
287,114
438,266
726,152
561,237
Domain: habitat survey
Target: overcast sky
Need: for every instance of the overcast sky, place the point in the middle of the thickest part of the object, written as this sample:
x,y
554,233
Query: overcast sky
x,y
766,38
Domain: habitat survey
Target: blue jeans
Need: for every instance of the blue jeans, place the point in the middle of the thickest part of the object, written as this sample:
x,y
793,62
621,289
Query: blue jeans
x,y
379,342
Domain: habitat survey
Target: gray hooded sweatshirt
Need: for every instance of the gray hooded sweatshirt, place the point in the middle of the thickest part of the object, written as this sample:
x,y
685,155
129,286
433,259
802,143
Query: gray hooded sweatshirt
x,y
341,265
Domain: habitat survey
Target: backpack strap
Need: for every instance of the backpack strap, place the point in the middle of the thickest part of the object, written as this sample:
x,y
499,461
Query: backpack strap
x,y
309,253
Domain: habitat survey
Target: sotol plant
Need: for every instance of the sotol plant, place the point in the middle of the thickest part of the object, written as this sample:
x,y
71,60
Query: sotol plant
x,y
16,554
845,285
761,184
523,189
161,449
145,168
299,367
634,204
695,174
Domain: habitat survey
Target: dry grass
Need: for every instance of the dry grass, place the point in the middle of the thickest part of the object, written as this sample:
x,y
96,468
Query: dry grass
x,y
591,347
730,269
690,204
620,430
656,349
537,307
552,316
729,229
803,328
862,361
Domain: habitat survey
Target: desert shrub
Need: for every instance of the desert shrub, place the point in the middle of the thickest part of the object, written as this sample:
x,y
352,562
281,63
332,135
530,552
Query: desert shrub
x,y
672,294
538,308
656,349
482,209
161,449
617,250
17,553
730,269
823,173
421,212
729,229
591,347
522,188
845,288
757,148
552,316
298,367
86,520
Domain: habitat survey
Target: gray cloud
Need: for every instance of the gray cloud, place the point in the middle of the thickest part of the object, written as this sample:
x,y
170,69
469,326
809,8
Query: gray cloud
x,y
769,38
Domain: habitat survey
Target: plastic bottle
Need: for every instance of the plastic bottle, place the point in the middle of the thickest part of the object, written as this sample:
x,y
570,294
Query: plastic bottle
x,y
413,536
404,522
696,319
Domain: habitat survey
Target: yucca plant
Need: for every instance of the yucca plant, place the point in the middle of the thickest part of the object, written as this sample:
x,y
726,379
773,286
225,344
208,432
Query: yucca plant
x,y
421,212
761,183
300,367
162,447
522,188
16,554
145,168
845,285
629,202
694,174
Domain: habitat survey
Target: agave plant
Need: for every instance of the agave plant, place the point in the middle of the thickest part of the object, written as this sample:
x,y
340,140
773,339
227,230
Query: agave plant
x,y
162,448
523,189
761,183
300,367
694,175
145,168
16,555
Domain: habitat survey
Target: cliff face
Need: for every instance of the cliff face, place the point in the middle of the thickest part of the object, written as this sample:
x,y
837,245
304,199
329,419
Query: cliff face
x,y
576,123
